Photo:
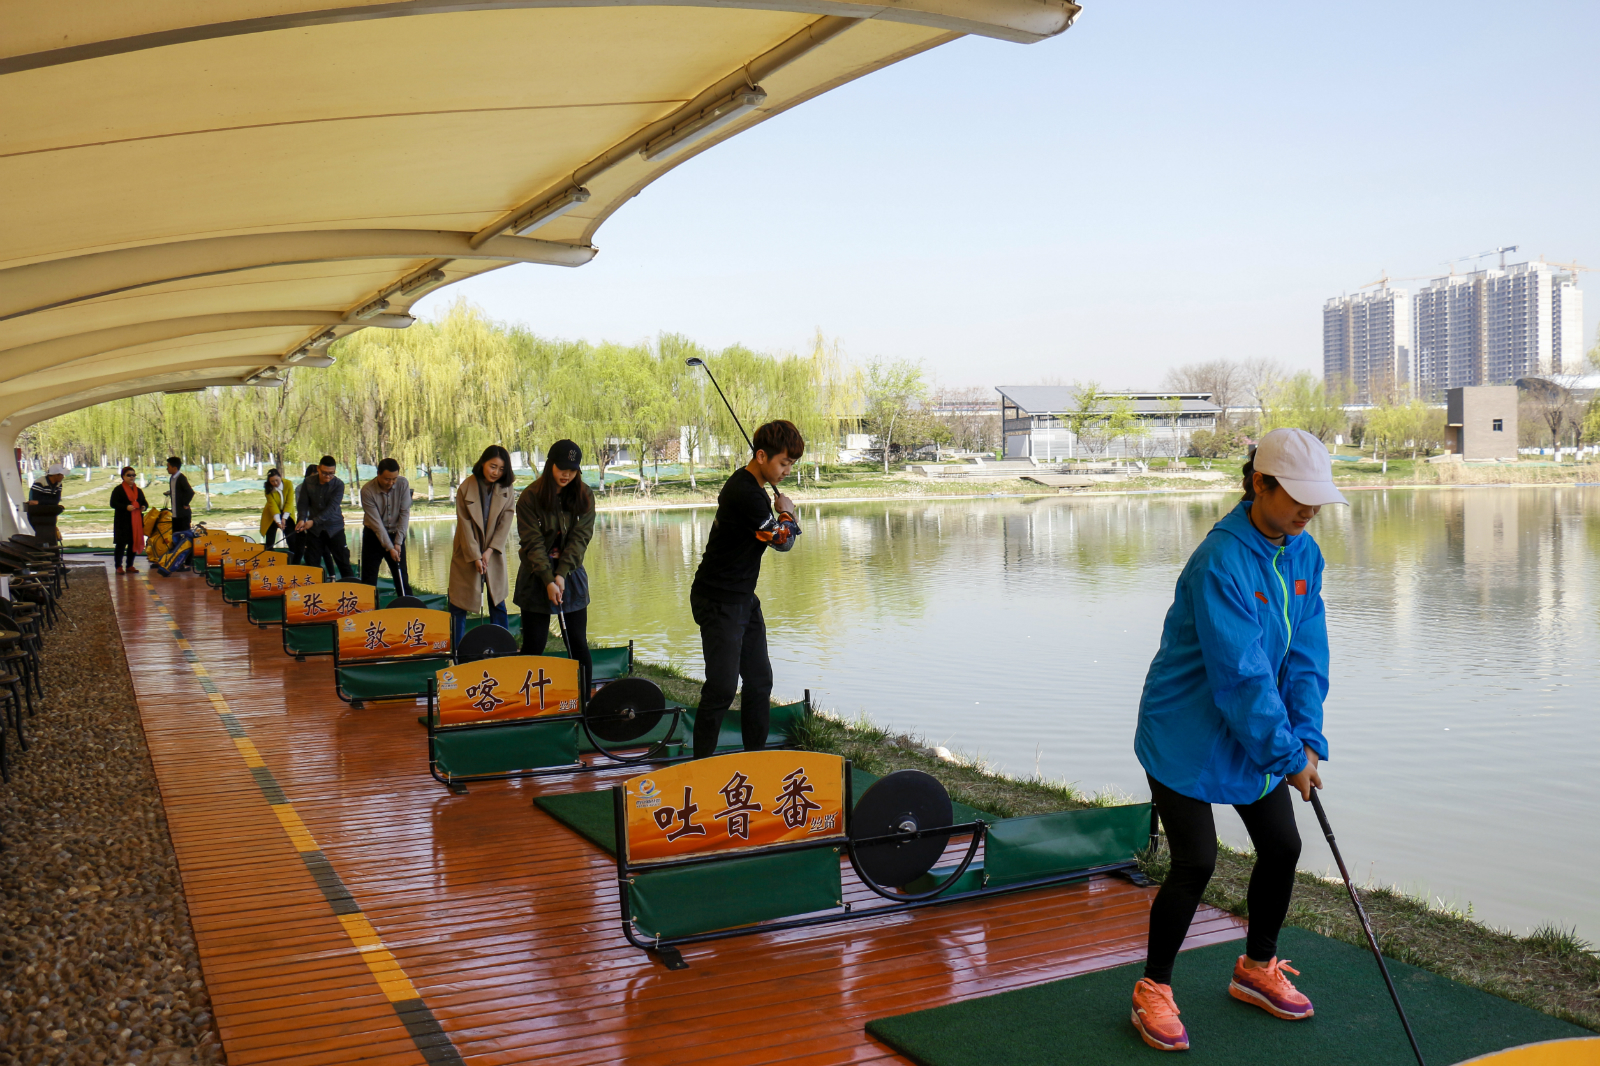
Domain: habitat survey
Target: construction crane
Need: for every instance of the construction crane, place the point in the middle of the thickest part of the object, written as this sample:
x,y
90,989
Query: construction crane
x,y
1575,268
1492,251
1386,279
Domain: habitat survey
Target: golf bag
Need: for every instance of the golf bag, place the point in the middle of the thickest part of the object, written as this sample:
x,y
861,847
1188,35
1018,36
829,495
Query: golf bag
x,y
157,534
177,554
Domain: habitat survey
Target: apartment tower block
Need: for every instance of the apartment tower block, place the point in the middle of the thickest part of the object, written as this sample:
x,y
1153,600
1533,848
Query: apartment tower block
x,y
1366,345
1489,327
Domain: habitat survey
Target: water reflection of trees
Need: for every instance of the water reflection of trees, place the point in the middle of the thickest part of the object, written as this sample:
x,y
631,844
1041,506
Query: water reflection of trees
x,y
1397,559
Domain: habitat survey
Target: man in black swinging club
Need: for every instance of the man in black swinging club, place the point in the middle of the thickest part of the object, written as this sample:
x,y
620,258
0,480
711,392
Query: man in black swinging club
x,y
733,633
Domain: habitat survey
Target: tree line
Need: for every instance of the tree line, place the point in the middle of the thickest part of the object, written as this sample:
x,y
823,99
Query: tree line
x,y
1258,395
434,394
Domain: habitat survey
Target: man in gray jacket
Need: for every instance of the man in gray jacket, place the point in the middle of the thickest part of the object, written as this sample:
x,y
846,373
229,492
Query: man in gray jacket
x,y
385,520
319,518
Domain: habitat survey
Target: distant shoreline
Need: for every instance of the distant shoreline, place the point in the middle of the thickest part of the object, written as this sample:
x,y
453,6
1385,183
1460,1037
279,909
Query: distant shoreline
x,y
1211,488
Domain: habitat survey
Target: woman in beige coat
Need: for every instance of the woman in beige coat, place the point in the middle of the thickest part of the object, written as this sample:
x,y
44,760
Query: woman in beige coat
x,y
485,512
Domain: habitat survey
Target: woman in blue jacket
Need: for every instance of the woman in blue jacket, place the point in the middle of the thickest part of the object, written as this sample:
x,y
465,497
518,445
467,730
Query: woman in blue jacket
x,y
1232,713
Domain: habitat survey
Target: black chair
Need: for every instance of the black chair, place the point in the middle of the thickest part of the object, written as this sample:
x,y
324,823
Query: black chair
x,y
22,617
487,641
406,601
11,699
44,556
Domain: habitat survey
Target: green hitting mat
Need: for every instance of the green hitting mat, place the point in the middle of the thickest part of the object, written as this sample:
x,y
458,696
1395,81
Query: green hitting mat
x,y
589,814
1083,1021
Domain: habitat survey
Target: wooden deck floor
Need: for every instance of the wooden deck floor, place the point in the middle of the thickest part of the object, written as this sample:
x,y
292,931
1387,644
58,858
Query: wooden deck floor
x,y
347,909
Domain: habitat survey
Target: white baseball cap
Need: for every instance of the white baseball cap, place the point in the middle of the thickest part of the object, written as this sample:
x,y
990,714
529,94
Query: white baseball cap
x,y
1301,464
56,468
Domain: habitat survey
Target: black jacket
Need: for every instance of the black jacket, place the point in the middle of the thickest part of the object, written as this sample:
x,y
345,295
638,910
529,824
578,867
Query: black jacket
x,y
182,494
44,505
121,520
538,532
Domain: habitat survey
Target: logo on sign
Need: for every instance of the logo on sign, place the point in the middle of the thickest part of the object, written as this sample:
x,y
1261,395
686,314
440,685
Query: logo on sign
x,y
649,795
447,680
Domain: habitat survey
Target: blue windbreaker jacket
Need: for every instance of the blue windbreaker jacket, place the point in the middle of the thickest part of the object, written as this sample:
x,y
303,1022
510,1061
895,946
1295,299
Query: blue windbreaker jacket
x,y
1236,690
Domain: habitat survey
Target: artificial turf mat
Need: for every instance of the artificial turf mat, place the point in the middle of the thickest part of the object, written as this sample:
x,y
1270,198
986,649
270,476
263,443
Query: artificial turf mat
x,y
1083,1021
589,814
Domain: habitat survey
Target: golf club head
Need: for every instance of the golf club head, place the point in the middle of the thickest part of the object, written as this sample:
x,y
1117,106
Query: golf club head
x,y
694,360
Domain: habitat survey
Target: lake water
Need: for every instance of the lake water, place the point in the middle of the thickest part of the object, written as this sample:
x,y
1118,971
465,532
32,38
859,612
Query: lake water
x,y
1464,716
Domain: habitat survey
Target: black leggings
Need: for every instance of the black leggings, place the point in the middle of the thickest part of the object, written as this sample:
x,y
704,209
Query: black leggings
x,y
120,548
536,632
1192,839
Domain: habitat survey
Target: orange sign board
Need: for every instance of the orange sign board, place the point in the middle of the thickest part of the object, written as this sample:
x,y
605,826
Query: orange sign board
x,y
276,580
219,547
395,633
239,563
511,686
747,799
327,602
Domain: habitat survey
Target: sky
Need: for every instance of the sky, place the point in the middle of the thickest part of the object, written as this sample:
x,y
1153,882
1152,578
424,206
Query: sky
x,y
1161,184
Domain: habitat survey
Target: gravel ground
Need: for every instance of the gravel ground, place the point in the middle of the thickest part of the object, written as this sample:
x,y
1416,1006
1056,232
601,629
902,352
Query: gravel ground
x,y
97,959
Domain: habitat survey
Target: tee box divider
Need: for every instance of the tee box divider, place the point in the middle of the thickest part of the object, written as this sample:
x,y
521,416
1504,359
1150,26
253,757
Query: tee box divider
x,y
669,904
546,745
389,677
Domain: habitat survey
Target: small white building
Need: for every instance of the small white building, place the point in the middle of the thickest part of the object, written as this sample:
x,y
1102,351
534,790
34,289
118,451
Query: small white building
x,y
1036,422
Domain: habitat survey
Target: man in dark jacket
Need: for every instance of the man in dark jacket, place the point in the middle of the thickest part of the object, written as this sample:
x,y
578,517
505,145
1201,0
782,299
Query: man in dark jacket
x,y
317,506
180,494
44,503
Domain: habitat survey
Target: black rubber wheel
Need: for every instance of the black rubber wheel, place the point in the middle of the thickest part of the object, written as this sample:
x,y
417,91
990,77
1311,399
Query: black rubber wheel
x,y
624,710
487,641
903,801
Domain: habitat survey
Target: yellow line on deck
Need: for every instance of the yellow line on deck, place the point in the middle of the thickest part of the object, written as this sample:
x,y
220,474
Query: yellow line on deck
x,y
385,968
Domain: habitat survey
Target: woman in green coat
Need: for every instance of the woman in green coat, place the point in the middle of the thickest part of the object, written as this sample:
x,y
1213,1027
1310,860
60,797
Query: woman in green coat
x,y
555,521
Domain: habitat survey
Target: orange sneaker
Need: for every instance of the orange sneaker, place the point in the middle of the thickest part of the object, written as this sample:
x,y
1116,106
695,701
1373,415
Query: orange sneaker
x,y
1267,988
1155,1015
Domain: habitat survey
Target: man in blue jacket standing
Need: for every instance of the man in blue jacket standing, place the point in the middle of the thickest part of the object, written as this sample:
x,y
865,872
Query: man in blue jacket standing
x,y
1232,713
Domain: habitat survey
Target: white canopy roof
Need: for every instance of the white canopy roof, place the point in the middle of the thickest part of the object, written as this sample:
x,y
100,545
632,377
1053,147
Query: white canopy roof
x,y
204,193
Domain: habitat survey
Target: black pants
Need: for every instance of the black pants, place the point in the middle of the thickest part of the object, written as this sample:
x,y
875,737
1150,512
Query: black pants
x,y
121,548
373,556
181,520
536,633
328,550
1192,838
733,637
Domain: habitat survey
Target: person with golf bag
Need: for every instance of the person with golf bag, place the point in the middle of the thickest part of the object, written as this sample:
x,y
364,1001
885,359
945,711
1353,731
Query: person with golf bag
x,y
733,632
555,522
1232,713
484,510
180,494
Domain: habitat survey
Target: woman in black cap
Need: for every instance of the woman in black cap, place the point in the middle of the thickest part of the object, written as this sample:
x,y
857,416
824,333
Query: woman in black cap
x,y
555,521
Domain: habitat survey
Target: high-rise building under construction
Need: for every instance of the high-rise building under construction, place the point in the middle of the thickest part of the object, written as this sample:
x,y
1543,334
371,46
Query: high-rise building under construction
x,y
1488,327
1366,345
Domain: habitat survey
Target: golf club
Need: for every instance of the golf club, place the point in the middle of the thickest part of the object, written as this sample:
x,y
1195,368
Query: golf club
x,y
1366,925
701,363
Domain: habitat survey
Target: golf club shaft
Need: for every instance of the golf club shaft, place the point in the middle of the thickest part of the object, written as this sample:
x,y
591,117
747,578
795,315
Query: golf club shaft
x,y
728,405
1366,925
702,365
